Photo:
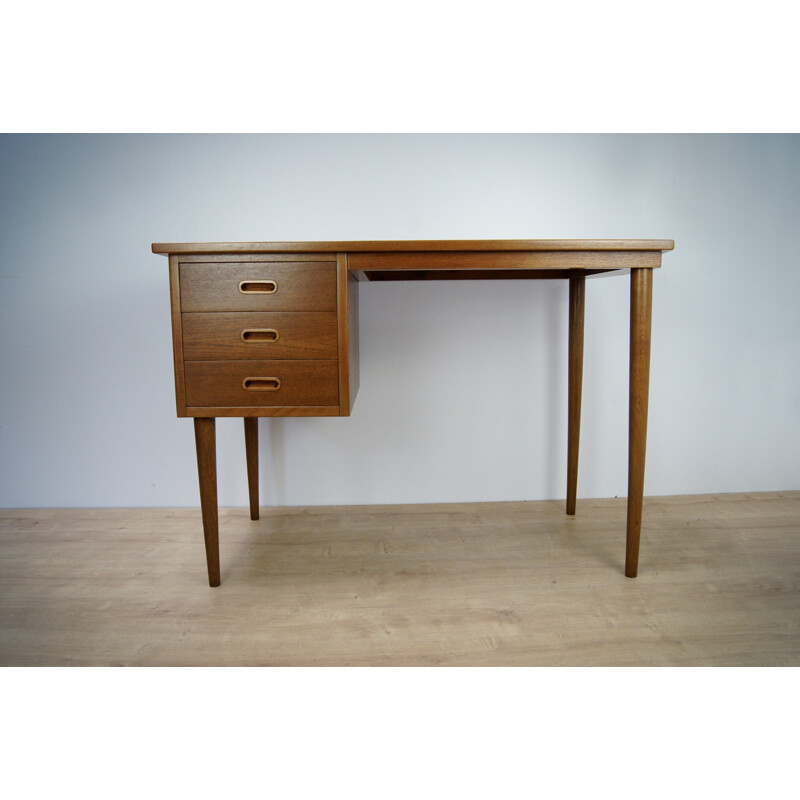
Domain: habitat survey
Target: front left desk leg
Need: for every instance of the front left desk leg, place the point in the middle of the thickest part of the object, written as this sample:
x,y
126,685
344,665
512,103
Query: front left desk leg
x,y
206,441
577,287
641,314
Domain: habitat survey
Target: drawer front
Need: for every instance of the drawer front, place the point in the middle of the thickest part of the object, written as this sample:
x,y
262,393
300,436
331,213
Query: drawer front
x,y
262,383
254,335
258,286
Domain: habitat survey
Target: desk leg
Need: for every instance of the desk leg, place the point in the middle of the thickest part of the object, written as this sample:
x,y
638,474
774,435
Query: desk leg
x,y
251,452
641,313
576,303
206,442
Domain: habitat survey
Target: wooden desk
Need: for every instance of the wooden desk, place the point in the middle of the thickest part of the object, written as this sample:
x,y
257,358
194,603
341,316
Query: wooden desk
x,y
270,329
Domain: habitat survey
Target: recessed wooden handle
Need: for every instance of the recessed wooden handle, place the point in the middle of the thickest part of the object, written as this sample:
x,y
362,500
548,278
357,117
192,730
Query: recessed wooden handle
x,y
261,384
258,287
260,335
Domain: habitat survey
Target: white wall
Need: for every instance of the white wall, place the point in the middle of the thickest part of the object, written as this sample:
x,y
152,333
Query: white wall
x,y
463,385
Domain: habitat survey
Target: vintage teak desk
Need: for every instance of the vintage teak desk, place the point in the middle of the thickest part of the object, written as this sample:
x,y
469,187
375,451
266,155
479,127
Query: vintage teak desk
x,y
270,329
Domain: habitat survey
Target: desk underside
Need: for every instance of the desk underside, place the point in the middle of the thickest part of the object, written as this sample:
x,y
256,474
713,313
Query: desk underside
x,y
475,274
475,265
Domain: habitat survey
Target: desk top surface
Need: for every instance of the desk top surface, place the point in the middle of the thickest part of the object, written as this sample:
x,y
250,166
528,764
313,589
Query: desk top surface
x,y
436,245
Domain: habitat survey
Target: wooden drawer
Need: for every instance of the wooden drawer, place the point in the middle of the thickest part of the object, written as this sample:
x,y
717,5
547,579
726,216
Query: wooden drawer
x,y
271,383
259,335
258,286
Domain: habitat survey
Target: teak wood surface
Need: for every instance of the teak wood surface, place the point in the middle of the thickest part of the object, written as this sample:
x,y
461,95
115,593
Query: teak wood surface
x,y
296,334
410,246
271,329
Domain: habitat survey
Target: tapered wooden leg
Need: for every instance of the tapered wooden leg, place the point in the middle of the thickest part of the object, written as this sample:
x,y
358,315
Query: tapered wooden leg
x,y
576,303
251,451
206,441
641,313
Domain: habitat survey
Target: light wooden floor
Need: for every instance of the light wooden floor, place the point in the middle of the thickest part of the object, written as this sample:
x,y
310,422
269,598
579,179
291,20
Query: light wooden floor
x,y
468,584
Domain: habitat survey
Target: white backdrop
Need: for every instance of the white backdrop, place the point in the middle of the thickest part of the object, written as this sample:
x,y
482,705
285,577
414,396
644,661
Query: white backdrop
x,y
463,384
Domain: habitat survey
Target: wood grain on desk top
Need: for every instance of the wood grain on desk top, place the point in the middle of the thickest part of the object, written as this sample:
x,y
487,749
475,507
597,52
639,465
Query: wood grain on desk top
x,y
473,245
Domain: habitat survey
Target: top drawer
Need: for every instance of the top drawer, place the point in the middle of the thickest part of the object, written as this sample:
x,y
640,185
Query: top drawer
x,y
258,286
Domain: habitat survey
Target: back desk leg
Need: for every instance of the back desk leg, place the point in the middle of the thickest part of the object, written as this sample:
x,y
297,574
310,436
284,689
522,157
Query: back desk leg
x,y
206,442
251,453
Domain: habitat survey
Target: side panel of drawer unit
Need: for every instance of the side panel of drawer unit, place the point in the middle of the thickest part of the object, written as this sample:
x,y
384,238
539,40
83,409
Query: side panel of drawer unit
x,y
260,335
248,383
258,286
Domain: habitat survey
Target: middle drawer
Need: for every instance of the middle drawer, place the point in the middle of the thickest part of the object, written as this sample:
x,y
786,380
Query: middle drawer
x,y
255,334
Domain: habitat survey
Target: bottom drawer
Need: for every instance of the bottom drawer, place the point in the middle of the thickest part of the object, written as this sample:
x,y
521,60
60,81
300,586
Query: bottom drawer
x,y
262,383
